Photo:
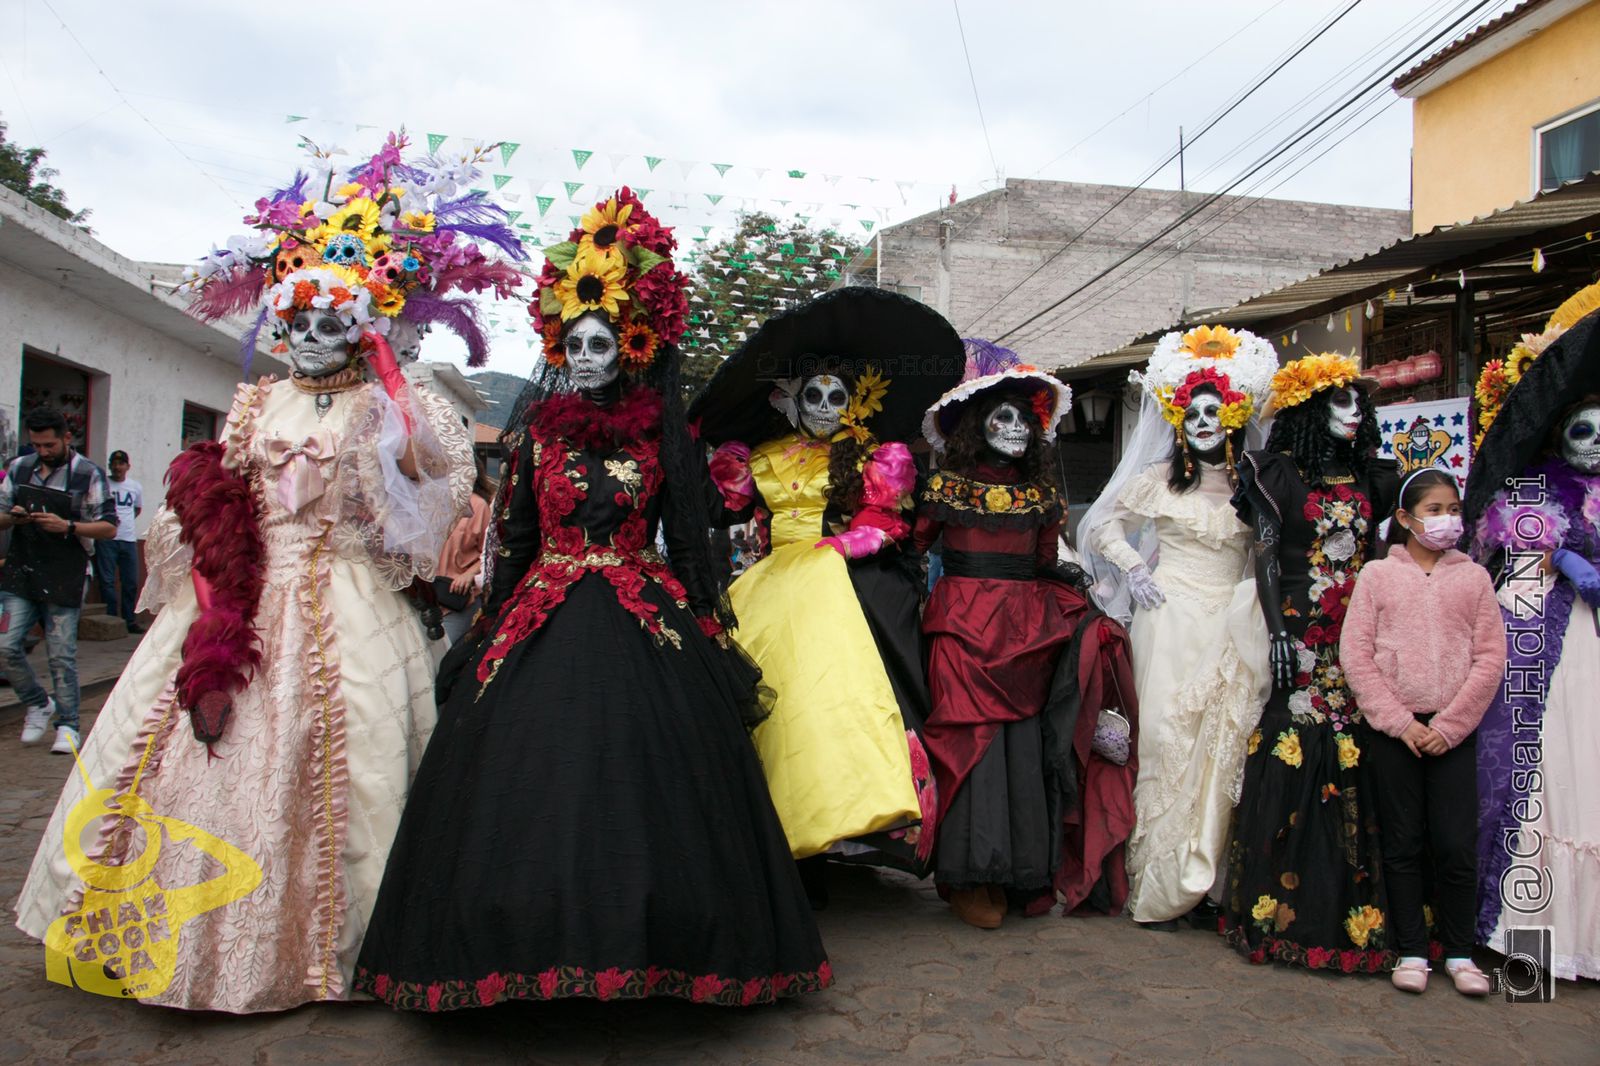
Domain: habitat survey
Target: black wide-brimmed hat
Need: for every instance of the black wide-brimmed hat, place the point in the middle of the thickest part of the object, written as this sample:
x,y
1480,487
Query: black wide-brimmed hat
x,y
850,331
1566,372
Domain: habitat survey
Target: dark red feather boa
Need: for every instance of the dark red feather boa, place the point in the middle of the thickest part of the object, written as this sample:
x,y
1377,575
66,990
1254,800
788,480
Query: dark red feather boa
x,y
219,521
575,417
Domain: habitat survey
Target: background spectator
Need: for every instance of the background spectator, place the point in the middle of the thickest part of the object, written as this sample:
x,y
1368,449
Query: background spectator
x,y
120,554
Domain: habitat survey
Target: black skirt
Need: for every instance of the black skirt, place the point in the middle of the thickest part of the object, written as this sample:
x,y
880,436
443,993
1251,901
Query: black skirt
x,y
591,822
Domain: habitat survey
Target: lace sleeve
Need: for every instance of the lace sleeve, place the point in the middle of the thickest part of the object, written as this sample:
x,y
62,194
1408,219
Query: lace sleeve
x,y
167,562
1110,536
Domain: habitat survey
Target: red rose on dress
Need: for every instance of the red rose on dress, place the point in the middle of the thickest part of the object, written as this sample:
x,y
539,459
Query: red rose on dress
x,y
1317,958
1315,637
753,990
1342,492
1312,509
781,983
489,989
1349,959
705,988
549,983
652,977
1365,508
567,540
608,983
380,985
435,994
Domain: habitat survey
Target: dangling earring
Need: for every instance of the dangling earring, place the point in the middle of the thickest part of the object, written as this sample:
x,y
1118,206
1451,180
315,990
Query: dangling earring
x,y
1188,463
1227,452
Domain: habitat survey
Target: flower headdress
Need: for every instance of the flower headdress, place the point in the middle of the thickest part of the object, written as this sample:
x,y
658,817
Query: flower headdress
x,y
1298,381
1499,376
389,238
1239,365
618,262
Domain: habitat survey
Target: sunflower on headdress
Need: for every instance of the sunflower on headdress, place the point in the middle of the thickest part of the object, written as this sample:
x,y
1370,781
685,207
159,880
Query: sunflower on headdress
x,y
1211,342
360,216
1297,382
865,401
638,344
603,227
593,282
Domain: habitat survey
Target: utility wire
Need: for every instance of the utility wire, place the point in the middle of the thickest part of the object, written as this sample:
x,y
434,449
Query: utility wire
x,y
1261,164
1209,125
142,116
974,78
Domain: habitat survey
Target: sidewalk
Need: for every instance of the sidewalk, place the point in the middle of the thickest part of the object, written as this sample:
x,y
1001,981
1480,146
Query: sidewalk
x,y
100,663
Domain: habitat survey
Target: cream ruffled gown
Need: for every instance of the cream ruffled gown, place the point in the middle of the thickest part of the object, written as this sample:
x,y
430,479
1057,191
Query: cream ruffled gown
x,y
1200,665
312,772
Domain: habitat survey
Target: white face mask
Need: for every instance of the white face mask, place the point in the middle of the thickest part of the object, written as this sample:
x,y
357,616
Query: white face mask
x,y
1580,439
406,340
1006,432
822,405
1202,423
317,345
1344,414
591,348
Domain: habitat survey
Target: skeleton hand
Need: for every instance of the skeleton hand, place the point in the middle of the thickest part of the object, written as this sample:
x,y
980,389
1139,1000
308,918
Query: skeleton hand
x,y
1282,659
1143,588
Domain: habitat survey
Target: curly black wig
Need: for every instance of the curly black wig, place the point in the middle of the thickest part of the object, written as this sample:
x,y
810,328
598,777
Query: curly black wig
x,y
1302,433
1183,476
965,447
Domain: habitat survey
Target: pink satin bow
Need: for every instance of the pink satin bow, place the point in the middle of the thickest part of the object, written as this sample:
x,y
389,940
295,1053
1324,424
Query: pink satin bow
x,y
302,482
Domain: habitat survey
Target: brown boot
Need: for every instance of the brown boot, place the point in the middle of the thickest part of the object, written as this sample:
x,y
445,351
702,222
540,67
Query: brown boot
x,y
973,907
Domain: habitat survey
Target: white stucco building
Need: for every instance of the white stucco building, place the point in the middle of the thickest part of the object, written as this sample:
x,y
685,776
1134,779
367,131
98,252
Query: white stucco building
x,y
104,339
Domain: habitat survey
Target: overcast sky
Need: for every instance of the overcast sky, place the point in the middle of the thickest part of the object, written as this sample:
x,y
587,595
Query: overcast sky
x,y
186,124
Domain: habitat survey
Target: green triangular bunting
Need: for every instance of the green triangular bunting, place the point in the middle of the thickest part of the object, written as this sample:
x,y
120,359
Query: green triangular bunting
x,y
573,188
715,198
866,224
512,216
652,161
294,118
722,168
797,173
436,140
500,180
544,203
507,150
580,157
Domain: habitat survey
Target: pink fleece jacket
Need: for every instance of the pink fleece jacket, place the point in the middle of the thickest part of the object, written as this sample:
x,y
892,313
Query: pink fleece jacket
x,y
1415,643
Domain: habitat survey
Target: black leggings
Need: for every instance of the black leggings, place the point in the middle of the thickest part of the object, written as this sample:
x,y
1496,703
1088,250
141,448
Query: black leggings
x,y
1428,808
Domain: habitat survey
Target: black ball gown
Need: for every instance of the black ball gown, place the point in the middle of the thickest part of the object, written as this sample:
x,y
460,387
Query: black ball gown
x,y
590,818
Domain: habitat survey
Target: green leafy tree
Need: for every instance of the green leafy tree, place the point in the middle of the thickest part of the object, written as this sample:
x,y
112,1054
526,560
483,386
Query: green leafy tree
x,y
766,265
22,170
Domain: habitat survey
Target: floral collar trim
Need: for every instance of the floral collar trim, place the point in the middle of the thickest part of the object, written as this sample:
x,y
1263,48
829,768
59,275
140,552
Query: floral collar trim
x,y
953,496
577,418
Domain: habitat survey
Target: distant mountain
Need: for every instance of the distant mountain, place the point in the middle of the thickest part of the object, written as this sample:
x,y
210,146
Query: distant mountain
x,y
501,392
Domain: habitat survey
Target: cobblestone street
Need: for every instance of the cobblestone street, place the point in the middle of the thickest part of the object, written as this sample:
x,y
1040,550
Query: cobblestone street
x,y
913,984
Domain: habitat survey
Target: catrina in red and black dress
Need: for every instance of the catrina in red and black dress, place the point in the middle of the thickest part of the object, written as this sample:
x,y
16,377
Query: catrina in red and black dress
x,y
590,818
1020,662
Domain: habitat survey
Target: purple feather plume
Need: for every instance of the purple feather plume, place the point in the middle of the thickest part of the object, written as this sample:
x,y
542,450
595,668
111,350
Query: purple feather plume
x,y
247,343
459,316
295,190
235,294
474,216
986,357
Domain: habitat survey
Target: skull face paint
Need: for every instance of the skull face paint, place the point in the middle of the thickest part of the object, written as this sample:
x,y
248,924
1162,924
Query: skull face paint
x,y
317,345
591,347
1202,423
1580,439
1006,432
1344,413
822,405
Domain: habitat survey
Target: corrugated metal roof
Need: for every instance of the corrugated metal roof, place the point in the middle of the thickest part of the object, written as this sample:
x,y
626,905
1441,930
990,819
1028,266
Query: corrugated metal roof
x,y
1568,211
1469,40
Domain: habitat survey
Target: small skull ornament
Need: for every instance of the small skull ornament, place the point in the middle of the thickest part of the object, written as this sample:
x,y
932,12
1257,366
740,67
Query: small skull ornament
x,y
345,249
405,338
1344,413
289,260
822,405
1006,432
591,347
1202,423
1580,439
395,269
317,344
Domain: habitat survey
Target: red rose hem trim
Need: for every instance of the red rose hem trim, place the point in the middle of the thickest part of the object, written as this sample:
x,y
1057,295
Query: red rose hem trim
x,y
568,982
1348,960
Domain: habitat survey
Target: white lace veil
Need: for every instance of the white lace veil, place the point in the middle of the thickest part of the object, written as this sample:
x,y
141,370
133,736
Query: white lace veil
x,y
1152,442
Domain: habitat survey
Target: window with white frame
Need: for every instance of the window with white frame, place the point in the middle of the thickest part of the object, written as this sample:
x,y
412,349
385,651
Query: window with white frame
x,y
1568,148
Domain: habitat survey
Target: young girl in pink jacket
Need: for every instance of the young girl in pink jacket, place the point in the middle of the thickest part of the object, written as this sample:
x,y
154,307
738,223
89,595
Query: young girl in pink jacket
x,y
1423,648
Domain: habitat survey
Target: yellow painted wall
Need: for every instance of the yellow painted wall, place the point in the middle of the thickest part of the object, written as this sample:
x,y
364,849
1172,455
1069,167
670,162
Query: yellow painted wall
x,y
1472,139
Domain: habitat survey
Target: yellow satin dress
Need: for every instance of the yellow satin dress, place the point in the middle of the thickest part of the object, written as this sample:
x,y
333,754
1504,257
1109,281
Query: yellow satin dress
x,y
834,748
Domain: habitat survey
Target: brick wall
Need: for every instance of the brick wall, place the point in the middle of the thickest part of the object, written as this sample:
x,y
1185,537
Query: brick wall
x,y
995,240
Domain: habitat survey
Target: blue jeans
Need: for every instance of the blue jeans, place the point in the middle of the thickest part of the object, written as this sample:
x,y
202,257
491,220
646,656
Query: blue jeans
x,y
110,558
61,641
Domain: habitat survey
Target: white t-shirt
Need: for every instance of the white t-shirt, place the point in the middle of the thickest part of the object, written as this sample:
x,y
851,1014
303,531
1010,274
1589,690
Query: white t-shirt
x,y
129,495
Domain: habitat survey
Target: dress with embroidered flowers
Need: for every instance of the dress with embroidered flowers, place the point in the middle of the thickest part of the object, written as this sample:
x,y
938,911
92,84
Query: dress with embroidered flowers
x,y
590,819
310,774
1304,873
1200,665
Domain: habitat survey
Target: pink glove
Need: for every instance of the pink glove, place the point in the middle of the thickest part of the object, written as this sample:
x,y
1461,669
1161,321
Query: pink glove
x,y
380,357
889,475
856,543
730,472
202,591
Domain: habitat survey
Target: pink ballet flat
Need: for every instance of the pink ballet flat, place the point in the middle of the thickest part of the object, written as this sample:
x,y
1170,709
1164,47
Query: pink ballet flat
x,y
1469,980
1410,978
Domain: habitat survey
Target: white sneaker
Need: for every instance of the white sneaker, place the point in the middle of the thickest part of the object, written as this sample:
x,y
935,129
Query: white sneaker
x,y
37,722
67,741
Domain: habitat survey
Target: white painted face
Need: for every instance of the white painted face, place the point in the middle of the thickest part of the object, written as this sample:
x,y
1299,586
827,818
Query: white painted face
x,y
1202,423
317,345
1006,432
591,347
1580,439
822,405
406,340
1344,413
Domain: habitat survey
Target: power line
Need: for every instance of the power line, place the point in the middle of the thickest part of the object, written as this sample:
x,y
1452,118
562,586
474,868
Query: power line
x,y
129,104
974,78
1206,128
1259,165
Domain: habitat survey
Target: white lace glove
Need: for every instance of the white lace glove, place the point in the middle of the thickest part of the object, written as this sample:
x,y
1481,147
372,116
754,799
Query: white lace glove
x,y
1143,588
